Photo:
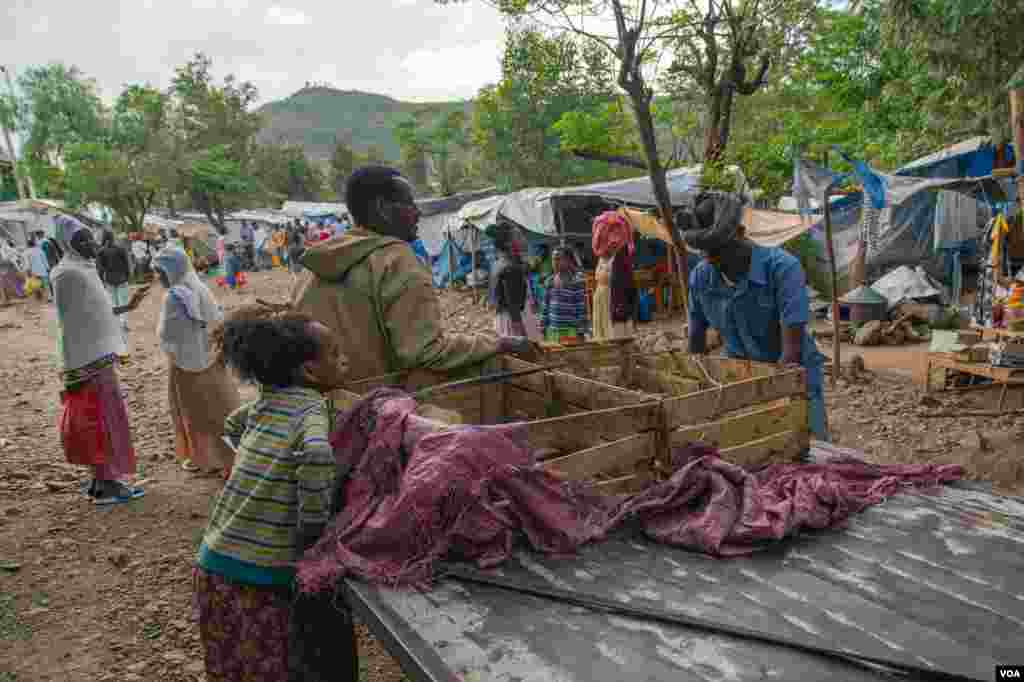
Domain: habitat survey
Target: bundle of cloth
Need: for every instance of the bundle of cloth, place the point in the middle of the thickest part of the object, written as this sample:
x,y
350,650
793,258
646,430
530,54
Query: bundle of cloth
x,y
411,498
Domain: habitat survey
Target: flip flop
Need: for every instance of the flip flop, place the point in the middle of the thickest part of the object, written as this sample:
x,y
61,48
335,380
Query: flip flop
x,y
191,468
87,488
126,494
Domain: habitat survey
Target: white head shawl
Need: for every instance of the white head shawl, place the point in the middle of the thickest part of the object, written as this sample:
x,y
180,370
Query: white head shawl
x,y
89,328
188,312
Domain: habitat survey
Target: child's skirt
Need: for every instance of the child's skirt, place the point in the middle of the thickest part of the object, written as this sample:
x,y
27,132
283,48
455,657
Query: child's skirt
x,y
243,628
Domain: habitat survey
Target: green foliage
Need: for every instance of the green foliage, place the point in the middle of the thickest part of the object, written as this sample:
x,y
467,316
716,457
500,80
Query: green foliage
x,y
517,126
216,183
59,108
343,162
283,172
973,48
214,131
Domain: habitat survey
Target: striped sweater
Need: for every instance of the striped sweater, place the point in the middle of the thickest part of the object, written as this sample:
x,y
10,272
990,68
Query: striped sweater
x,y
565,307
282,481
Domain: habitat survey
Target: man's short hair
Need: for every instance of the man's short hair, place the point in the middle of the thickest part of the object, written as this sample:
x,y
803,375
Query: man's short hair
x,y
363,188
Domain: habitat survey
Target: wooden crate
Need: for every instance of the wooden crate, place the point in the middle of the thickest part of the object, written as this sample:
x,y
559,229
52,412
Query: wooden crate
x,y
587,430
755,413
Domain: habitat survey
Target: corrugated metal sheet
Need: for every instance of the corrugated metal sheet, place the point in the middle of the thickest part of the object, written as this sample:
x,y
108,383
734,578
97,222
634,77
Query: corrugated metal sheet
x,y
931,580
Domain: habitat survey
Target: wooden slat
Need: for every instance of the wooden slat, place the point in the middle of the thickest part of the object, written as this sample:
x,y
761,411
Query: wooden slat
x,y
618,486
733,431
575,390
664,383
706,406
586,429
778,448
623,456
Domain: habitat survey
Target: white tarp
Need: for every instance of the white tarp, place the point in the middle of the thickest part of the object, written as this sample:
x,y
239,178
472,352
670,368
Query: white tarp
x,y
299,209
532,208
905,284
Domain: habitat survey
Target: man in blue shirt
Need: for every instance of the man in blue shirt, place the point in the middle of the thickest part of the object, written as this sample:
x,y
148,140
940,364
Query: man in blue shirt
x,y
755,296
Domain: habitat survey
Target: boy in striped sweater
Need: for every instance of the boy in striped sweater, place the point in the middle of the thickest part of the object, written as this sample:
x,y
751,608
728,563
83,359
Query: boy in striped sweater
x,y
278,499
565,300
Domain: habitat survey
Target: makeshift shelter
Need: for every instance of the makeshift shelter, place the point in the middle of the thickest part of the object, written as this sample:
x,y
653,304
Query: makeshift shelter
x,y
439,216
915,216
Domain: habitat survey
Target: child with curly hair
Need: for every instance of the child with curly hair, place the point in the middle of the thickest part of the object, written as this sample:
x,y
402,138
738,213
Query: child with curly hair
x,y
278,499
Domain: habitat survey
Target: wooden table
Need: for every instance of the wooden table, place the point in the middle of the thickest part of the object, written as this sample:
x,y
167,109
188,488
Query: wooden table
x,y
1000,376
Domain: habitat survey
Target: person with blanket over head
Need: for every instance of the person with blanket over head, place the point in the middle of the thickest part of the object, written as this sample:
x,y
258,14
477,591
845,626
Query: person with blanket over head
x,y
755,296
368,287
276,502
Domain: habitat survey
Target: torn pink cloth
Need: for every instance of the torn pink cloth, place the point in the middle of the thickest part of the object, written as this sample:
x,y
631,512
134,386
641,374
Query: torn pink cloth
x,y
611,231
415,498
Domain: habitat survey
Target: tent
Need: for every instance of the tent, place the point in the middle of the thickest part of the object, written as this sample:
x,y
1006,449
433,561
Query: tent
x,y
902,218
438,217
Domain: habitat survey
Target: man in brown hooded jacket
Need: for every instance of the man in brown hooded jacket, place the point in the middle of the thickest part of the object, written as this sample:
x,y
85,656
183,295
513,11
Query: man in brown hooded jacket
x,y
369,288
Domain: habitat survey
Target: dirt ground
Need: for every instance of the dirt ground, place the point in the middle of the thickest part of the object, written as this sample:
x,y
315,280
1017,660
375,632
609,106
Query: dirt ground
x,y
103,594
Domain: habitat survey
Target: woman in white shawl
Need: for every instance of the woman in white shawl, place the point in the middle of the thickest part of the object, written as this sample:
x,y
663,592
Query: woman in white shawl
x,y
94,420
201,393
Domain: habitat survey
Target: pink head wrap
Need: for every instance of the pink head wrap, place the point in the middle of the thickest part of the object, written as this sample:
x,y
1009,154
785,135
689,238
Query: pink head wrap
x,y
610,233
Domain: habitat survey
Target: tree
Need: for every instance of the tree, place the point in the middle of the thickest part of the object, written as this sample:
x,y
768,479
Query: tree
x,y
128,166
216,133
343,162
217,184
513,126
973,48
437,142
284,172
59,108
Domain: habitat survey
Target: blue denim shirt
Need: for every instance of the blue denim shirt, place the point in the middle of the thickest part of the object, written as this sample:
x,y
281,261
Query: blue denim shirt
x,y
750,316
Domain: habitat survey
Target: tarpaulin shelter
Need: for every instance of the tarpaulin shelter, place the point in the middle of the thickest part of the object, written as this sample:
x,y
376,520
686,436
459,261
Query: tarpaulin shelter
x,y
898,218
439,216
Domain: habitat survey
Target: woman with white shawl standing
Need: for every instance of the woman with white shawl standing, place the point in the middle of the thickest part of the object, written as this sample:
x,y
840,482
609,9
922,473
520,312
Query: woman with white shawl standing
x,y
201,393
94,419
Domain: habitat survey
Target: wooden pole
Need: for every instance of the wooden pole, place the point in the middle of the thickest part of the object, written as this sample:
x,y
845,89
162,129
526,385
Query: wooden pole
x,y
835,285
1017,128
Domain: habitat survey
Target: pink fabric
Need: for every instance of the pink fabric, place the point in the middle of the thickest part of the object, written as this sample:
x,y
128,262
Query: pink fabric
x,y
467,493
119,460
610,233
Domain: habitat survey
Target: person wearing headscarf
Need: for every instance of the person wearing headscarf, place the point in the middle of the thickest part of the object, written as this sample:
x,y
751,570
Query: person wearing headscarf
x,y
200,392
114,265
94,419
615,294
755,296
565,299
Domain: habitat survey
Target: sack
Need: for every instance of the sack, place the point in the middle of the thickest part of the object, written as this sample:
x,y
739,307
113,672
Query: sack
x,y
81,426
32,285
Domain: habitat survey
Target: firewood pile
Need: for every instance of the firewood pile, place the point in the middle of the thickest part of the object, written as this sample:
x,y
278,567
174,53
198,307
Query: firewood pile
x,y
879,332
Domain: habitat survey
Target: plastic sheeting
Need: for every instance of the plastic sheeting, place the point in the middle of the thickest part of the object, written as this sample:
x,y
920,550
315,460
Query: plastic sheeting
x,y
906,284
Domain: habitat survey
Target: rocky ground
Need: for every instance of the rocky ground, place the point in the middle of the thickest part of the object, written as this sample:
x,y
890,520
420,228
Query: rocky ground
x,y
88,594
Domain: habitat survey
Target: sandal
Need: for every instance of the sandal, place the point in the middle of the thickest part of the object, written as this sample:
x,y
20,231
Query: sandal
x,y
88,488
124,494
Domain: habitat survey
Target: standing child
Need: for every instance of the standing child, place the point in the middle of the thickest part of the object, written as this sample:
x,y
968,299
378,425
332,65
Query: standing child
x,y
232,267
565,299
278,499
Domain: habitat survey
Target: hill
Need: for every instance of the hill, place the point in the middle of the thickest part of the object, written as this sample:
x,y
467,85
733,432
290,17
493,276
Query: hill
x,y
315,117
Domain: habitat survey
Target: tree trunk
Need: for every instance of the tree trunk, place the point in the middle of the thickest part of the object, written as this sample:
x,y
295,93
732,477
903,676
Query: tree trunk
x,y
645,125
719,120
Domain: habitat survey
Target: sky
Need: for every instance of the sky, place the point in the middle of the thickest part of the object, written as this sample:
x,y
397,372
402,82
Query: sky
x,y
412,50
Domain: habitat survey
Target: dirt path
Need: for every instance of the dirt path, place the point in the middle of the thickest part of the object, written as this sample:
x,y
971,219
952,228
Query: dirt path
x,y
103,594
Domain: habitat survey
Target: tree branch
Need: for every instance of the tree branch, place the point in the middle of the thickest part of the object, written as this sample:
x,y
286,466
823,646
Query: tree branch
x,y
610,158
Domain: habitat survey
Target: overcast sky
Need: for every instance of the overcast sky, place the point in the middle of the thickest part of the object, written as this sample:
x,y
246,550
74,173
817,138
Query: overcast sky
x,y
408,49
